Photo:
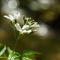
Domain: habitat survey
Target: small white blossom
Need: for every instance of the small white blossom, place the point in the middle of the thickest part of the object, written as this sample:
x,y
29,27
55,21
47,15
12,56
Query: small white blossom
x,y
34,26
9,17
14,15
30,22
24,29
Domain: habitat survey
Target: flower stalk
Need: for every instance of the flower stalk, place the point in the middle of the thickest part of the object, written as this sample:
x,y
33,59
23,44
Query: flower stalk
x,y
27,28
20,35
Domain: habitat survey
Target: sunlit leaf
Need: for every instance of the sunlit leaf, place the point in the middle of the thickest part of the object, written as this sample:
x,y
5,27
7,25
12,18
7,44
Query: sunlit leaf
x,y
28,52
9,50
13,55
27,58
2,50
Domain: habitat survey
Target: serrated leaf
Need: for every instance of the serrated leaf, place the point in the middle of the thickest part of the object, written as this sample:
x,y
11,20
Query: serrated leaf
x,y
28,52
2,50
27,58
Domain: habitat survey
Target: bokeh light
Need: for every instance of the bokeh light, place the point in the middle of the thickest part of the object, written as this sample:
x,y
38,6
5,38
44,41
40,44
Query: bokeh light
x,y
12,4
43,30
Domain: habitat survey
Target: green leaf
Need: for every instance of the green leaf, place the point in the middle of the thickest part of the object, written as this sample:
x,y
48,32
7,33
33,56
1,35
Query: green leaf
x,y
13,55
27,58
9,50
2,49
28,52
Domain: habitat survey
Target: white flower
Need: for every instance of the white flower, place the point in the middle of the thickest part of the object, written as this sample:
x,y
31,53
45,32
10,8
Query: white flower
x,y
9,17
24,29
14,15
34,26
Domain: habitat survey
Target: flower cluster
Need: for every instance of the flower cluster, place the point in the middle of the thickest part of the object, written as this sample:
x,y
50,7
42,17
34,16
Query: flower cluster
x,y
28,26
13,17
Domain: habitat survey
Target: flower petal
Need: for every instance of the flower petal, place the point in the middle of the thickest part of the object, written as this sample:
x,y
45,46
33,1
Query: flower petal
x,y
35,25
11,17
18,27
15,14
25,27
27,31
6,16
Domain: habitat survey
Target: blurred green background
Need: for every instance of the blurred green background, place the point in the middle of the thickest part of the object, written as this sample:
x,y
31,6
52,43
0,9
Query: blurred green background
x,y
47,38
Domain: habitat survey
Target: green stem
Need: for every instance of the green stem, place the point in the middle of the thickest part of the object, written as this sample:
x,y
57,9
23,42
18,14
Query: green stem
x,y
14,33
17,41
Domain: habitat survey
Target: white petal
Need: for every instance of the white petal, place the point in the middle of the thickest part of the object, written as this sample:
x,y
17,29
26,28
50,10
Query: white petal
x,y
25,27
27,31
35,25
15,14
18,27
11,17
27,19
7,17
